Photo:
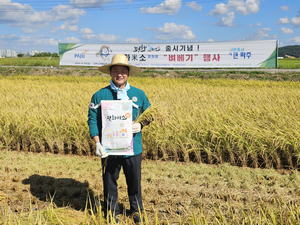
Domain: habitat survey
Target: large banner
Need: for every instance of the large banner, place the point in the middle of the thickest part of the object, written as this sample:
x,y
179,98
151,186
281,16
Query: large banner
x,y
179,55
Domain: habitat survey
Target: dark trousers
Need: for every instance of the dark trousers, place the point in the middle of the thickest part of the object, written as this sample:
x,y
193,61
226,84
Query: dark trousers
x,y
132,169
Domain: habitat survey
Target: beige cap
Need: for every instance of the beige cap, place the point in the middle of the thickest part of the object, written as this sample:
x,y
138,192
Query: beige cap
x,y
119,60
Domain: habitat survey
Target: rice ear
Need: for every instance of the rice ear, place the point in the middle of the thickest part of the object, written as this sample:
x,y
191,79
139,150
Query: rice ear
x,y
147,116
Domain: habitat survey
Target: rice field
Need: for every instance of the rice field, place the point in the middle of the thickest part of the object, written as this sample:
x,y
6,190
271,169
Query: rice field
x,y
245,123
225,151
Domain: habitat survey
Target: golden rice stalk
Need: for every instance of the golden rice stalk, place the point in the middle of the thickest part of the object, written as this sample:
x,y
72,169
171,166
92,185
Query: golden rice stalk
x,y
148,115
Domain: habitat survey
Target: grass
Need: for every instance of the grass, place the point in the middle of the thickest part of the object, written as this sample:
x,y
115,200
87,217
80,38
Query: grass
x,y
257,74
287,63
239,75
61,189
30,61
231,74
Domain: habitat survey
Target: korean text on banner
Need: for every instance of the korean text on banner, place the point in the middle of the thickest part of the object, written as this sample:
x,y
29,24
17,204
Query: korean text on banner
x,y
237,54
117,136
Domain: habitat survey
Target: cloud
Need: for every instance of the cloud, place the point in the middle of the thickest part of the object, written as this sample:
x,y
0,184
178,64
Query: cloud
x,y
14,41
128,2
168,7
108,37
286,30
23,44
37,40
101,37
296,21
70,40
90,36
173,31
254,25
210,40
260,34
134,40
239,6
295,39
45,41
285,8
27,39
66,27
284,20
29,30
195,6
86,31
89,3
249,7
226,21
16,14
9,37
220,9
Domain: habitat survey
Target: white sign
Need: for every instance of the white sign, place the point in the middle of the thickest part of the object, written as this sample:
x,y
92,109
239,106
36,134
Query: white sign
x,y
175,55
117,138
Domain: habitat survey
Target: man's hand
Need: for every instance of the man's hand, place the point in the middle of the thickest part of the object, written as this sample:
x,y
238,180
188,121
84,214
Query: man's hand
x,y
99,151
136,127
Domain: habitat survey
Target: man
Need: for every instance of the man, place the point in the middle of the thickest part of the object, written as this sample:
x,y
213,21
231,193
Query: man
x,y
119,89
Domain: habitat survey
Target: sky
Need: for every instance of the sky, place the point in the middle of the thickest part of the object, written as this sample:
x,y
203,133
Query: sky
x,y
27,25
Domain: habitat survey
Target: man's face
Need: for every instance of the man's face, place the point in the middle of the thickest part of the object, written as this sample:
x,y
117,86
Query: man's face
x,y
119,75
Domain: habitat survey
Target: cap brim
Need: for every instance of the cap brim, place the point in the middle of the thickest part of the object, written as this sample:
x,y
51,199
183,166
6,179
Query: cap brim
x,y
132,69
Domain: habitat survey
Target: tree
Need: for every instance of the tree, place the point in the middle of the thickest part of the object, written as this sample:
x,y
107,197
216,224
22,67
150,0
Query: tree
x,y
45,54
292,50
20,55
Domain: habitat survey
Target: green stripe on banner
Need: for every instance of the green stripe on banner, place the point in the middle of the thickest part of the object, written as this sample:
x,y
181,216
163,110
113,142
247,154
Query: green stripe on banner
x,y
65,47
271,61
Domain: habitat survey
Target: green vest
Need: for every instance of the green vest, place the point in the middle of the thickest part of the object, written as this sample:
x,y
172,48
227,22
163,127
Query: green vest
x,y
137,96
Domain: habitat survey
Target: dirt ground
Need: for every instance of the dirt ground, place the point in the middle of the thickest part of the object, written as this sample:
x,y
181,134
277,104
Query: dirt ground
x,y
73,71
172,191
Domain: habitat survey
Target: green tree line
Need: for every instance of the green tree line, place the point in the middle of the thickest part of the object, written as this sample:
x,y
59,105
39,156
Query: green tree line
x,y
45,54
41,54
292,50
